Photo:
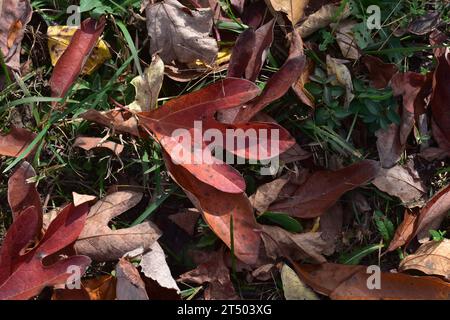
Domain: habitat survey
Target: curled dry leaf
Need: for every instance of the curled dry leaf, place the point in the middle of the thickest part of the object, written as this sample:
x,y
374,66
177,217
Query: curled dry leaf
x,y
432,258
218,208
405,231
89,143
216,274
22,193
178,33
346,40
243,50
380,73
153,264
322,18
16,142
293,287
299,86
343,77
347,282
99,242
147,86
281,243
120,120
324,188
399,182
23,276
59,37
71,63
267,193
130,285
14,17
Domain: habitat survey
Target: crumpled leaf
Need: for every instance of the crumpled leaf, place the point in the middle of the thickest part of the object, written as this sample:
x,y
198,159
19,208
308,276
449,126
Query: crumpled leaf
x,y
100,243
148,86
123,121
217,209
432,258
281,243
405,231
343,77
14,17
345,39
324,188
59,37
22,193
179,33
16,142
153,264
380,73
293,8
293,287
322,18
267,193
89,143
24,276
130,285
425,23
74,58
398,181
216,274
349,282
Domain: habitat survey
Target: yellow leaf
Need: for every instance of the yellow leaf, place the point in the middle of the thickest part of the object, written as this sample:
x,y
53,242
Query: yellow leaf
x,y
59,38
293,287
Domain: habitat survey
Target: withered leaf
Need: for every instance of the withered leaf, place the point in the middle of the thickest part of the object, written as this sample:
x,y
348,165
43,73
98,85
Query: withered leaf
x,y
130,285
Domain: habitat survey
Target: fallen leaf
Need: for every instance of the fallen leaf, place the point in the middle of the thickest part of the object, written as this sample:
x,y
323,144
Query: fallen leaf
x,y
99,288
330,228
22,193
153,264
380,73
16,142
281,243
299,86
218,208
293,8
72,61
346,40
243,50
100,243
59,37
24,276
123,121
293,287
343,77
324,188
398,181
79,199
322,18
89,143
147,87
129,286
388,145
267,193
15,15
404,232
186,220
216,274
346,282
179,33
432,258
425,23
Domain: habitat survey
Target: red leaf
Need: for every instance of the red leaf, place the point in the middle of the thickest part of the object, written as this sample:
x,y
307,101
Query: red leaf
x,y
324,188
69,66
241,54
217,208
22,194
15,142
380,73
24,275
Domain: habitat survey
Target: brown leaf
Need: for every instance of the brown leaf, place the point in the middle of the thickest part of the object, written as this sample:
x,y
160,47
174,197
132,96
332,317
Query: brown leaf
x,y
425,23
324,188
79,199
299,86
123,121
179,33
293,8
432,258
89,143
16,142
71,63
15,15
405,231
99,242
100,288
243,50
130,286
398,181
346,39
347,282
218,208
186,220
380,73
216,274
281,243
388,145
21,193
331,227
267,193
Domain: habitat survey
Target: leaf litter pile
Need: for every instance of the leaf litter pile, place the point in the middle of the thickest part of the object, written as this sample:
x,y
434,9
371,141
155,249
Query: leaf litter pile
x,y
96,204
